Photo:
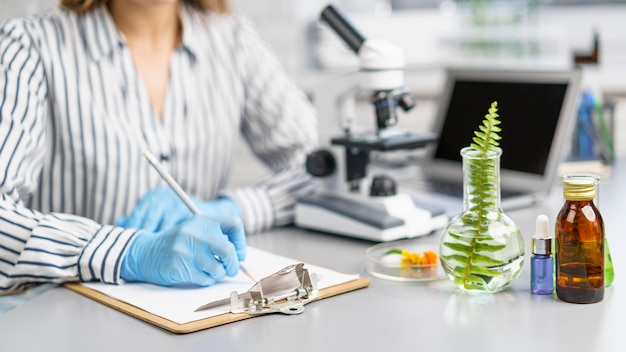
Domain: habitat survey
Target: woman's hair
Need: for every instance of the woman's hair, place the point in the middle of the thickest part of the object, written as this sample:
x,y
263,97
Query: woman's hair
x,y
219,6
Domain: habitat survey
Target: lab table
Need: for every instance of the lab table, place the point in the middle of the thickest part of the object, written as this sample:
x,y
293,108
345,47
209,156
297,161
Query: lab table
x,y
386,316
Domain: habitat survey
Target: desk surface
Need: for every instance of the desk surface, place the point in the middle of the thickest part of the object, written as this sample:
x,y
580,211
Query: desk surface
x,y
385,316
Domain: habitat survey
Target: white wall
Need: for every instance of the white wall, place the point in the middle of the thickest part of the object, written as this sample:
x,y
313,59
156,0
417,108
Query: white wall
x,y
286,24
283,23
12,8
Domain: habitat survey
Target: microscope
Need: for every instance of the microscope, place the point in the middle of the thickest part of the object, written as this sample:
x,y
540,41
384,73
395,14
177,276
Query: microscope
x,y
349,202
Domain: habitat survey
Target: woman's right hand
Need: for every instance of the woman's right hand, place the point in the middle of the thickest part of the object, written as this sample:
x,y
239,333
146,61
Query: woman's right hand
x,y
199,251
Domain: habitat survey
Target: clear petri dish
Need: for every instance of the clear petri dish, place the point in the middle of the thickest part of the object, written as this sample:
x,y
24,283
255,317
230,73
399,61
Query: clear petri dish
x,y
389,267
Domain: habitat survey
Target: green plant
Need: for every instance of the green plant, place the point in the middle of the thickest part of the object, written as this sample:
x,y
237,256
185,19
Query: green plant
x,y
483,175
473,245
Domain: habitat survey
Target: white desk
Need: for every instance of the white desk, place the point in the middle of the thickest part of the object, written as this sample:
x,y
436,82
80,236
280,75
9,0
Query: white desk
x,y
385,316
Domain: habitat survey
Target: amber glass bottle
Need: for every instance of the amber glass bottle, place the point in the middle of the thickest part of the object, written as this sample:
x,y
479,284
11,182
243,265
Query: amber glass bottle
x,y
579,243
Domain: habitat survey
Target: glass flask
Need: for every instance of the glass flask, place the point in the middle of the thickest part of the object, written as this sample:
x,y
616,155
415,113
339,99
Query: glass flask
x,y
481,248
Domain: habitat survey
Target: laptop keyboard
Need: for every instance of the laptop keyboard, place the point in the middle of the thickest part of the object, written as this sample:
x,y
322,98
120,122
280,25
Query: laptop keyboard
x,y
450,188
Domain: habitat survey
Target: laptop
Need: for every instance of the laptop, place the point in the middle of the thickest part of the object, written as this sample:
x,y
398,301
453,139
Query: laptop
x,y
537,110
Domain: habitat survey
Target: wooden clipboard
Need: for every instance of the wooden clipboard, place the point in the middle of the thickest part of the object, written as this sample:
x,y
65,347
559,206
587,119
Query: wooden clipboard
x,y
201,324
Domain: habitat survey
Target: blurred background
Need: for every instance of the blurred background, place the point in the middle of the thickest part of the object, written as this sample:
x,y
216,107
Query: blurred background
x,y
435,35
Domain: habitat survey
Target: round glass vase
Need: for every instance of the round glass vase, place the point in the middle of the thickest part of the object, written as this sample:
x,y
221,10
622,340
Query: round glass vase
x,y
481,248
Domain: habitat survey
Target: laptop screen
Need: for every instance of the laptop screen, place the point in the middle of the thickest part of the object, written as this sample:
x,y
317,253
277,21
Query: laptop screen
x,y
536,110
529,113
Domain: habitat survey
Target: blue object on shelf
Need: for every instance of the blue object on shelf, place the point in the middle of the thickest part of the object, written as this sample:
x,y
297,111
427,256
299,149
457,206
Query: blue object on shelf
x,y
593,139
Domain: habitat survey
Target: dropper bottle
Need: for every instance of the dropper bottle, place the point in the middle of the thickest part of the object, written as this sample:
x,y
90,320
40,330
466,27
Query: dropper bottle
x,y
541,263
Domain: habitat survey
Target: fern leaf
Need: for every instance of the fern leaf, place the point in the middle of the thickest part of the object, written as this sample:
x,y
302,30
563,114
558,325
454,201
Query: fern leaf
x,y
458,247
455,258
483,259
484,271
471,248
480,247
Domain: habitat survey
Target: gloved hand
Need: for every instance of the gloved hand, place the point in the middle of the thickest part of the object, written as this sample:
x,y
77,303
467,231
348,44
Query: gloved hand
x,y
162,209
187,253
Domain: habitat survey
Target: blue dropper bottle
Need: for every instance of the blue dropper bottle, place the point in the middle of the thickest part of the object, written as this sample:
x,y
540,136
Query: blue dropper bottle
x,y
541,261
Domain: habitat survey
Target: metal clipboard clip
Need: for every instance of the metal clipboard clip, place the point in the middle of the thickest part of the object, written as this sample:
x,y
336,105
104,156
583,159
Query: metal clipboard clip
x,y
286,291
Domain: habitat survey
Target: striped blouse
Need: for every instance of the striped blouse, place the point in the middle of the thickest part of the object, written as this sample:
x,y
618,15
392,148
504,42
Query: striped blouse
x,y
75,119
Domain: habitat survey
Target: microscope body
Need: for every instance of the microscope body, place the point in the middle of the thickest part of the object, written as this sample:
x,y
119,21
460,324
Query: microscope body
x,y
349,202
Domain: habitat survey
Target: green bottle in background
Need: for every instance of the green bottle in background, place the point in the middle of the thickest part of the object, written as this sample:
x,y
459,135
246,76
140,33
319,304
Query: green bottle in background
x,y
609,274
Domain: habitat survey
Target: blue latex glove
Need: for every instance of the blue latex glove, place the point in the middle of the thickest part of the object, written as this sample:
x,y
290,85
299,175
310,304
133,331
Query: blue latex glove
x,y
186,253
162,209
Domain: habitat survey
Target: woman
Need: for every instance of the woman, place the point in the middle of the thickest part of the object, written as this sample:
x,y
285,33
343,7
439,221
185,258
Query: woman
x,y
89,87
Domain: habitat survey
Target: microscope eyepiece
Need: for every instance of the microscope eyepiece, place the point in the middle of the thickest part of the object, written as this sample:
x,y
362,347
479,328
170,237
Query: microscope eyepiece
x,y
343,28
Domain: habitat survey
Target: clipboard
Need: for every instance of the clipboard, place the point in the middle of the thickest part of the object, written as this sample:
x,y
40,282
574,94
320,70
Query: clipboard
x,y
201,324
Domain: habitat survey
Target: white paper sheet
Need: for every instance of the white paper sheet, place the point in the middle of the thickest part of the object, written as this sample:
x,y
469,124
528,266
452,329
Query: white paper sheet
x,y
178,304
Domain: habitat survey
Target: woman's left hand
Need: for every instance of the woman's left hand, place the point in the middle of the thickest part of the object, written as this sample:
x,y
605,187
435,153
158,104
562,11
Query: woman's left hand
x,y
162,209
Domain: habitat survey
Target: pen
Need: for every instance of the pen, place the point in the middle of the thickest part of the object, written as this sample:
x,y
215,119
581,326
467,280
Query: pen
x,y
183,196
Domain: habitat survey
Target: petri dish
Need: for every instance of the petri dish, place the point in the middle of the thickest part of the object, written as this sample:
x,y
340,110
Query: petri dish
x,y
388,266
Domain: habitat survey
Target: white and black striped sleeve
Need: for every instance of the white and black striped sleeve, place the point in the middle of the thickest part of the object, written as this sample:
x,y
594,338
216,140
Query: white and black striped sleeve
x,y
37,247
280,125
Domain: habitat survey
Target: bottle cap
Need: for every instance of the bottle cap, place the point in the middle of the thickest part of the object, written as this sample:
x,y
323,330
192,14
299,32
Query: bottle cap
x,y
579,187
541,240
